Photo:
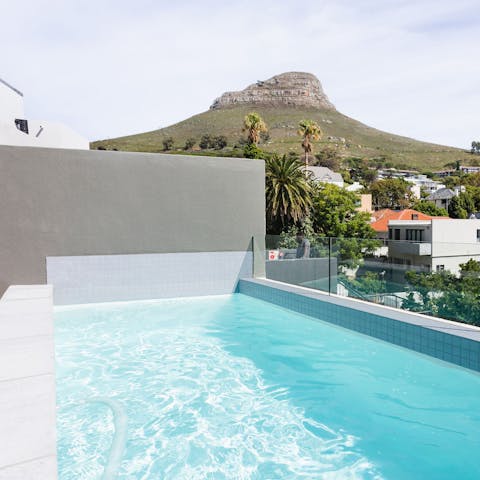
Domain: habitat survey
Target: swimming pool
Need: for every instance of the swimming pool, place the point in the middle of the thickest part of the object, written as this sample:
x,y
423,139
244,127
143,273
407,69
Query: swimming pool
x,y
234,387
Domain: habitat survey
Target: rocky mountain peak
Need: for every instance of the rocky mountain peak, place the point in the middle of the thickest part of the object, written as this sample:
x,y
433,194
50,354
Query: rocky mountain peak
x,y
295,89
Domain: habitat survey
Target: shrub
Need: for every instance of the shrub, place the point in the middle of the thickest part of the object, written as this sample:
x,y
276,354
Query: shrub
x,y
189,143
168,144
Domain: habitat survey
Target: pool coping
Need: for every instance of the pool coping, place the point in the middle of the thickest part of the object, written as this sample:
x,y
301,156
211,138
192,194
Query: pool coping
x,y
444,339
27,384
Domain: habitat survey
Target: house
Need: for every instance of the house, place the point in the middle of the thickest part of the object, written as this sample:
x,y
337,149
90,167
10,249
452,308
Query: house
x,y
325,175
394,173
442,197
445,173
354,187
465,169
365,199
433,245
16,130
381,219
421,183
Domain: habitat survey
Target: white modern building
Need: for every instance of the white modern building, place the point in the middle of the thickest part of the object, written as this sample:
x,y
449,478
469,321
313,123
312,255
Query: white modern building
x,y
433,245
16,130
421,183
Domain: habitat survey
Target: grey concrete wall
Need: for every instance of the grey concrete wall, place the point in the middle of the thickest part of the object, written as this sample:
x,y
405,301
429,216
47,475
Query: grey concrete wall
x,y
69,202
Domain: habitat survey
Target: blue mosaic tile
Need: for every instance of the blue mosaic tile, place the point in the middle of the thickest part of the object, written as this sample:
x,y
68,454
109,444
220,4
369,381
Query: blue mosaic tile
x,y
451,348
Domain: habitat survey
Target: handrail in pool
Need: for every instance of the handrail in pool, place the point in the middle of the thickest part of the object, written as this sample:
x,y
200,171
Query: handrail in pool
x,y
119,437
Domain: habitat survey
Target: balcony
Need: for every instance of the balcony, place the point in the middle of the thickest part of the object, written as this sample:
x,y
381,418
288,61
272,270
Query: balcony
x,y
409,248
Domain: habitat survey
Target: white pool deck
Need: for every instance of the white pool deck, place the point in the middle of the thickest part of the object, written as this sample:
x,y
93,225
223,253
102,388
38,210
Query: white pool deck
x,y
27,384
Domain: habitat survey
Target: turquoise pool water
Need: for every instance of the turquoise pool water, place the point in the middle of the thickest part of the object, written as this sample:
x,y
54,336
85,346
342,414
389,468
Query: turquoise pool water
x,y
233,387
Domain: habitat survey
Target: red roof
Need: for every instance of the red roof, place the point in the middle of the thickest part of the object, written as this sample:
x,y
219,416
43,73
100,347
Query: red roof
x,y
382,217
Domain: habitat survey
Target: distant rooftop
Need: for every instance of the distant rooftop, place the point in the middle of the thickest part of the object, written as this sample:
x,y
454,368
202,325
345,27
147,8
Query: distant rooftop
x,y
442,194
324,174
383,217
12,88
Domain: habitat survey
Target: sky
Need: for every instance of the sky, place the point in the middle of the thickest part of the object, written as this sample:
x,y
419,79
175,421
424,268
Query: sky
x,y
111,68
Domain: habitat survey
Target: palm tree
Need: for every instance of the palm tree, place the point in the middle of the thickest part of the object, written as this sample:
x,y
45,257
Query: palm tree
x,y
254,125
310,131
287,191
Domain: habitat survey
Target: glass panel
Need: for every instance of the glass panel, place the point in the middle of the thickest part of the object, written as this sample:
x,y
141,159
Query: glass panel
x,y
439,279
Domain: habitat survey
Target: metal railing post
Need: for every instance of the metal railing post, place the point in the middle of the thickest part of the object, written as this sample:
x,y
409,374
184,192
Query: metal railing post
x,y
329,265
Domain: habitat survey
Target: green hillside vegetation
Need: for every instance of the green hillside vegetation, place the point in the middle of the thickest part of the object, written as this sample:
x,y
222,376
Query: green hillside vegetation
x,y
352,138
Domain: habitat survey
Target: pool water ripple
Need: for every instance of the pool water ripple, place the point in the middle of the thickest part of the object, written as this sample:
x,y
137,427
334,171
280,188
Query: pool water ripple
x,y
233,388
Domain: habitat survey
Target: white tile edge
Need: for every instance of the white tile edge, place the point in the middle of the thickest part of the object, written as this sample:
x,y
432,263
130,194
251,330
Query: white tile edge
x,y
458,329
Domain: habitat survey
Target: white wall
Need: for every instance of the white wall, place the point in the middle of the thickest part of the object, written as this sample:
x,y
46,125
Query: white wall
x,y
455,237
453,242
52,135
11,104
452,264
41,134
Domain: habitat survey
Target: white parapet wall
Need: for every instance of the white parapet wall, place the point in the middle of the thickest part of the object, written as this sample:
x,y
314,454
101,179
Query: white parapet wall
x,y
28,447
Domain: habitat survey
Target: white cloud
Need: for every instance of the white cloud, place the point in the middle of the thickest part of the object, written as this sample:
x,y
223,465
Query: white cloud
x,y
112,68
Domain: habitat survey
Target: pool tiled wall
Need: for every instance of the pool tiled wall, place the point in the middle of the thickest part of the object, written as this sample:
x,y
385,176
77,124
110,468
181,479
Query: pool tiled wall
x,y
105,278
450,341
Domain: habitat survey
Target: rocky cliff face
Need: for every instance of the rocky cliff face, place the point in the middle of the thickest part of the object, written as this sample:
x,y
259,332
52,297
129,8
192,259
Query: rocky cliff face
x,y
296,89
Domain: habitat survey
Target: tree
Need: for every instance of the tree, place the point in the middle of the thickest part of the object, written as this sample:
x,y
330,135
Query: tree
x,y
167,143
444,295
470,268
474,192
250,150
475,148
328,157
310,132
452,181
473,179
219,142
391,193
189,143
429,208
264,137
287,193
206,141
254,125
461,206
334,214
361,170
455,209
370,283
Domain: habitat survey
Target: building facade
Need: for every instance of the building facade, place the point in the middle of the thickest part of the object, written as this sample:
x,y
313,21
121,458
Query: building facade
x,y
435,245
16,130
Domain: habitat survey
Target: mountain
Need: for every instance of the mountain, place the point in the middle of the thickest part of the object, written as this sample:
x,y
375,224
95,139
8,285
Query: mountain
x,y
283,101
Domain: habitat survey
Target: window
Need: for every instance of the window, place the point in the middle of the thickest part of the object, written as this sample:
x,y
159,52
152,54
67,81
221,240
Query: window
x,y
415,234
478,235
390,233
397,234
414,216
22,125
440,268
